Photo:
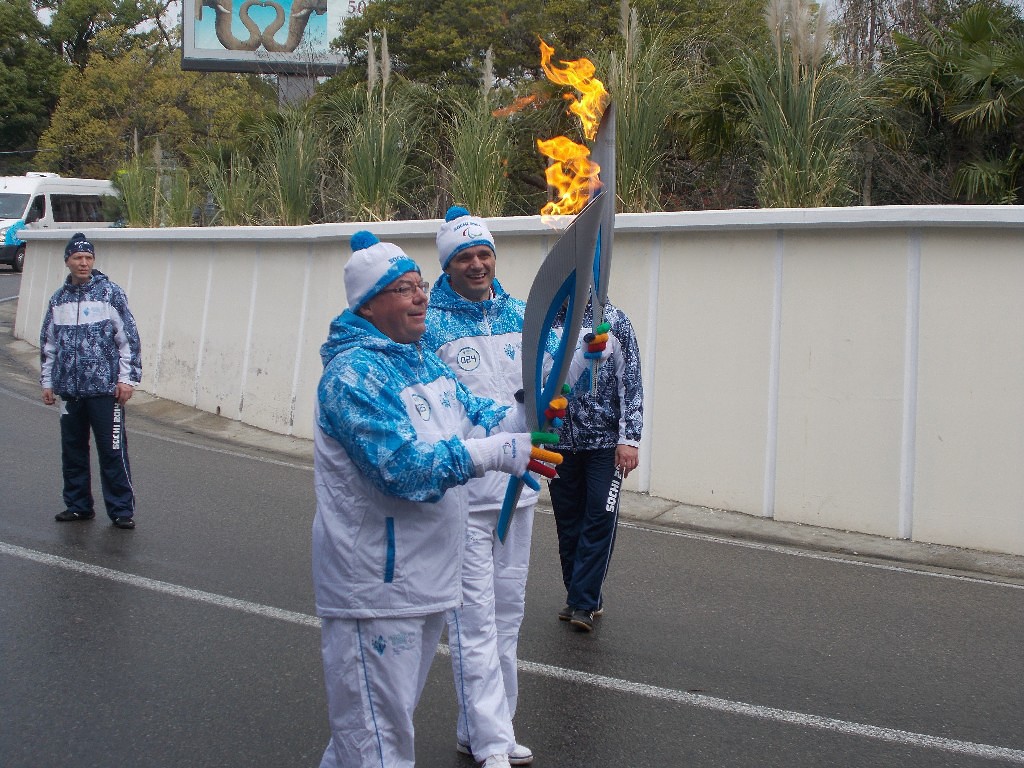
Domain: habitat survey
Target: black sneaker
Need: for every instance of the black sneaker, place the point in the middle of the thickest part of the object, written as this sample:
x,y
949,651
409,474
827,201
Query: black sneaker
x,y
582,620
565,614
124,522
67,516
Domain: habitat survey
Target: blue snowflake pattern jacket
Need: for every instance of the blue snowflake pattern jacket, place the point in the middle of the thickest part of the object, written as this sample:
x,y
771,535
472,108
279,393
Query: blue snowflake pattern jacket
x,y
89,341
389,470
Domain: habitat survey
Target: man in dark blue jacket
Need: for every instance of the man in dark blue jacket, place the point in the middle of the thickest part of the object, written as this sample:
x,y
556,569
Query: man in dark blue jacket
x,y
599,443
91,359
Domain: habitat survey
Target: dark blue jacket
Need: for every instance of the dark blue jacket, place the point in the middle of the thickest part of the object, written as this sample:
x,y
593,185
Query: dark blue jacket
x,y
89,341
613,414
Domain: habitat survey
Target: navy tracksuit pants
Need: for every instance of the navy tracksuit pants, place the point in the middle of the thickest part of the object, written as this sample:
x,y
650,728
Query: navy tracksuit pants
x,y
585,518
105,419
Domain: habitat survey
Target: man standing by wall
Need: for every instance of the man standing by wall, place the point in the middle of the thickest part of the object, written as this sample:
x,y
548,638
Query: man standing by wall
x,y
91,359
599,443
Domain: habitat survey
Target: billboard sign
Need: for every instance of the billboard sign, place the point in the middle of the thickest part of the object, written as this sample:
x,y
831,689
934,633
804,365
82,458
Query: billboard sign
x,y
267,36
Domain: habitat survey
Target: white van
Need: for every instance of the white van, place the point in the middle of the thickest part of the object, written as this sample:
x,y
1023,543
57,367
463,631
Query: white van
x,y
50,201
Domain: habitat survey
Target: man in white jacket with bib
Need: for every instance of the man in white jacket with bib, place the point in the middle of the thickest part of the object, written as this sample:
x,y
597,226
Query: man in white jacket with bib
x,y
476,327
392,453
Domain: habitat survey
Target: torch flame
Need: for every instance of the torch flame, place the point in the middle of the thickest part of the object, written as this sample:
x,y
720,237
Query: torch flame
x,y
578,74
572,173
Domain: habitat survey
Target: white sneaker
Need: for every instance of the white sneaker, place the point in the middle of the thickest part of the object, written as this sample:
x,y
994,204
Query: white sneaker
x,y
520,755
496,761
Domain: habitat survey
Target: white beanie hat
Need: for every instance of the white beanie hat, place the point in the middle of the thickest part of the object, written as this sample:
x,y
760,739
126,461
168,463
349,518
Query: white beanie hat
x,y
461,230
373,266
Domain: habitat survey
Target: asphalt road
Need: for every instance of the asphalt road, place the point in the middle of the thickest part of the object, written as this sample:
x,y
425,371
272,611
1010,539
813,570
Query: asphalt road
x,y
191,640
10,284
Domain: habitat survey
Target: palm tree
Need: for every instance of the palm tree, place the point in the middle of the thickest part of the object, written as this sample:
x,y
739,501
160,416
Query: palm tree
x,y
971,77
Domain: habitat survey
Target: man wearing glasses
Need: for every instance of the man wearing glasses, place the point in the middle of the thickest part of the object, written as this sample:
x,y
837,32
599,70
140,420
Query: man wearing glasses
x,y
392,453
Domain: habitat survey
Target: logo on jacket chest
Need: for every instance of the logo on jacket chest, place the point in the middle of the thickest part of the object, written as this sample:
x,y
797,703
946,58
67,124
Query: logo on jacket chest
x,y
468,359
422,407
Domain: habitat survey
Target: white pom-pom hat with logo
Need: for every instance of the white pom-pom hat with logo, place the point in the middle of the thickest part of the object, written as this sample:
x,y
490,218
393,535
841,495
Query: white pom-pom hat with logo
x,y
461,230
373,266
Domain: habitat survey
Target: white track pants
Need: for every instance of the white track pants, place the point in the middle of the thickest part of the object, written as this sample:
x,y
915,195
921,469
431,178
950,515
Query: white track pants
x,y
483,633
375,670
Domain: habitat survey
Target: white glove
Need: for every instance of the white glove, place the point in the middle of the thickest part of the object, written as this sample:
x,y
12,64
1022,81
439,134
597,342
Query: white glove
x,y
505,451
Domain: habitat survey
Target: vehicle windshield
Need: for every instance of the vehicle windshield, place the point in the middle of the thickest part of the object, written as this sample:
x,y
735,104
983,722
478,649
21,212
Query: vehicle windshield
x,y
12,206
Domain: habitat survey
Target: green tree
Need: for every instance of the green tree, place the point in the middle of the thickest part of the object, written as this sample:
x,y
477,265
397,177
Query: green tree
x,y
30,76
865,30
578,28
117,107
442,43
712,27
800,112
967,83
78,26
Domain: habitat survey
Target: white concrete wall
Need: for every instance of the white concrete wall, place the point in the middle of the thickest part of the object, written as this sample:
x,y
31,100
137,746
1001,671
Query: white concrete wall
x,y
855,368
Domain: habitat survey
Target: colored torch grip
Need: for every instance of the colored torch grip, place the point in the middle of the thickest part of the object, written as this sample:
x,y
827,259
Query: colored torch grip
x,y
551,457
543,438
541,469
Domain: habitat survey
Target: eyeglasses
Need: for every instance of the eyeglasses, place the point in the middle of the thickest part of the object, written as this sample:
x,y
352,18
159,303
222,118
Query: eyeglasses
x,y
405,289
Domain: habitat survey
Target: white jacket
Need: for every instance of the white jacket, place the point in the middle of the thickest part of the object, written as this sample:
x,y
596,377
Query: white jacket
x,y
389,466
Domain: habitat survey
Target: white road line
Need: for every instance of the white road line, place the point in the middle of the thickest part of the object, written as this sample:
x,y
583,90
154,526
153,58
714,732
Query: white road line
x,y
906,738
725,706
165,587
779,549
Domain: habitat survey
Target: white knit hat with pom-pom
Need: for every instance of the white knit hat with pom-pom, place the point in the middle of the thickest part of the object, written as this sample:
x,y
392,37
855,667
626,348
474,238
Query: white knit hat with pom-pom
x,y
461,230
373,266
